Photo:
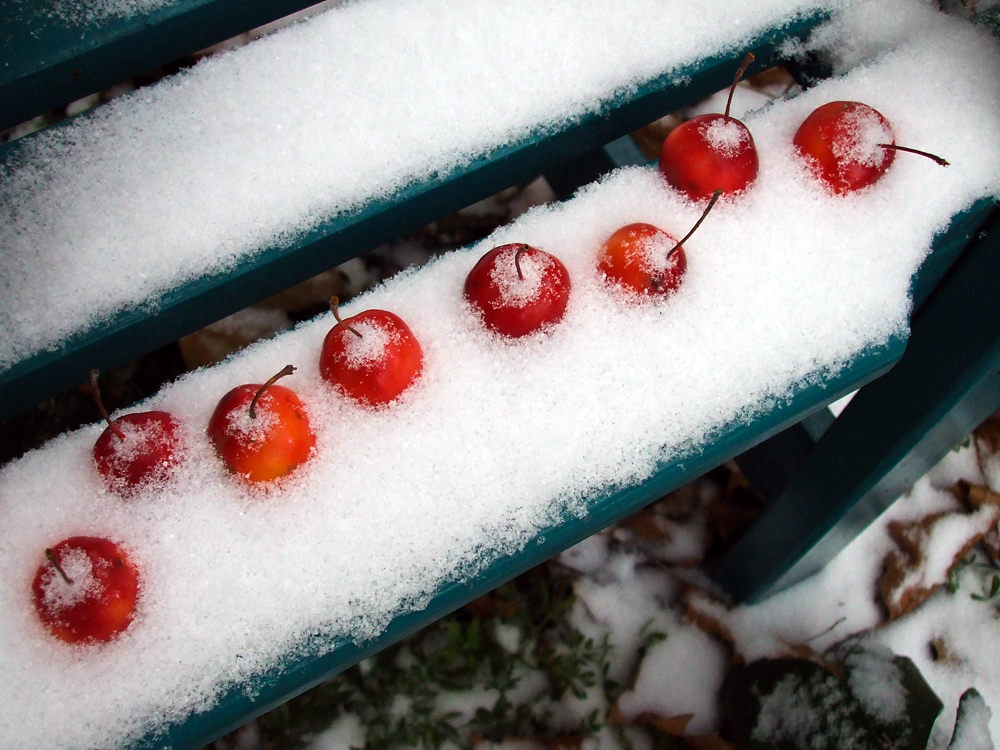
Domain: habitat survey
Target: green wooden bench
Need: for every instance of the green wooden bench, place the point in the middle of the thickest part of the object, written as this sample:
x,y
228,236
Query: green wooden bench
x,y
829,485
205,300
924,410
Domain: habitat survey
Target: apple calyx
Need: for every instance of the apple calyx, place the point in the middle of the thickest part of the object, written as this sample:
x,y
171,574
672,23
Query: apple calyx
x,y
747,62
96,392
933,157
286,370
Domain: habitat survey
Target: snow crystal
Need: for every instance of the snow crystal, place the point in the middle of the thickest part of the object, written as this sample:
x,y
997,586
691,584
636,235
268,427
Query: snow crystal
x,y
519,290
864,130
877,683
136,440
498,443
57,593
656,257
810,712
725,136
241,152
368,348
253,429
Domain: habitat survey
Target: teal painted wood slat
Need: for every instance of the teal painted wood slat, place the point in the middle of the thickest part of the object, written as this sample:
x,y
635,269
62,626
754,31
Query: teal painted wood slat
x,y
46,62
770,466
299,674
206,300
893,431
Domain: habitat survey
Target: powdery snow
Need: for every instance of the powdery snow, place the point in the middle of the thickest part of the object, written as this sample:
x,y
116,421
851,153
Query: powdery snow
x,y
864,131
366,345
972,732
680,675
726,137
519,289
877,683
57,593
493,445
249,148
655,254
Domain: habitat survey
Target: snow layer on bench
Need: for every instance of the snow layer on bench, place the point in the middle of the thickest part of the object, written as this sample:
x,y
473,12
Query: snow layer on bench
x,y
498,440
245,150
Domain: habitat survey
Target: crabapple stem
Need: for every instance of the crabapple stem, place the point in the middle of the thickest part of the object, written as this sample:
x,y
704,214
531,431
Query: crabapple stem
x,y
286,370
932,157
747,61
100,405
711,203
517,261
50,555
334,302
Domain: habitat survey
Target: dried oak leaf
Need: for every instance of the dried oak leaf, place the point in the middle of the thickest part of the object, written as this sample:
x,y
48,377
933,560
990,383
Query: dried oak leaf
x,y
647,524
930,548
707,613
989,432
710,615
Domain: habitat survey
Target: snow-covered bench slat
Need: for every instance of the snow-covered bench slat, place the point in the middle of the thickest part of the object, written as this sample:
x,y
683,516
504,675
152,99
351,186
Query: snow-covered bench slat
x,y
51,59
758,421
125,335
896,428
753,561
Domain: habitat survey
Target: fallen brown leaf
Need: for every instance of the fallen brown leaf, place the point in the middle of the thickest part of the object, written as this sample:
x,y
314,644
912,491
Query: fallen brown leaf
x,y
674,725
989,432
991,544
707,613
931,547
647,524
978,496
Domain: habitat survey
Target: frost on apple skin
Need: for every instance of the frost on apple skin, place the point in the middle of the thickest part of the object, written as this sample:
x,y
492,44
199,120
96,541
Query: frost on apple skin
x,y
247,429
515,291
864,130
656,257
138,440
726,136
59,594
369,347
